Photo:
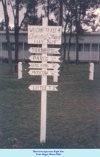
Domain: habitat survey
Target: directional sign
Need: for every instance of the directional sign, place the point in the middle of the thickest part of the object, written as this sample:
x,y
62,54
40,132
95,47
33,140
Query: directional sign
x,y
43,87
41,65
45,58
44,34
43,72
38,50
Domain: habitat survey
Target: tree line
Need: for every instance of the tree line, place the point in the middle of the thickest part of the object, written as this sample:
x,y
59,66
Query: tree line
x,y
73,15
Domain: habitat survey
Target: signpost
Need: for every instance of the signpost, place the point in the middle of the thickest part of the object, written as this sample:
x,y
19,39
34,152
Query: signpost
x,y
44,63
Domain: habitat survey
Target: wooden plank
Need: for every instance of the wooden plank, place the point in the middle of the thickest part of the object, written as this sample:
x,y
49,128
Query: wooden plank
x,y
43,87
37,50
41,65
43,72
40,58
44,34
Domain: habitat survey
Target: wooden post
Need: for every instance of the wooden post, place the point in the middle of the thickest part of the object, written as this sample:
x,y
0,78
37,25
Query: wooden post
x,y
43,93
91,71
20,70
43,103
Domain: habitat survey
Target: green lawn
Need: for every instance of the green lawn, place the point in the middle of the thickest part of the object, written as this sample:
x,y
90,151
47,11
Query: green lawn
x,y
73,113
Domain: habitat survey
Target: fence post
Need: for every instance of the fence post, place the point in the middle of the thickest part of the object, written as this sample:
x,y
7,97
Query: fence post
x,y
91,71
19,70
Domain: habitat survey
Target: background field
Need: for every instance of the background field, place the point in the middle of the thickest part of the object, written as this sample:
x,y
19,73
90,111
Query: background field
x,y
73,113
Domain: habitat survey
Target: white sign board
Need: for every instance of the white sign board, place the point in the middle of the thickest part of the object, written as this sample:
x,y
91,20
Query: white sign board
x,y
43,72
41,65
43,87
38,50
44,34
40,58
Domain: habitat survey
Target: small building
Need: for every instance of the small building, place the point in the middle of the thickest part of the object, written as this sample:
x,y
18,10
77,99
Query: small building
x,y
89,46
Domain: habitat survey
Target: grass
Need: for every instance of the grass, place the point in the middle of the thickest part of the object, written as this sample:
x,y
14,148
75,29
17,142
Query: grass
x,y
73,112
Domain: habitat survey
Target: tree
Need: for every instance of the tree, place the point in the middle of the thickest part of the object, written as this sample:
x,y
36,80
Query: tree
x,y
6,18
80,13
61,12
16,6
16,31
77,12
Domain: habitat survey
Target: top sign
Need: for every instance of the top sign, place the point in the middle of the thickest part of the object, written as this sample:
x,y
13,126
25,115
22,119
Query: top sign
x,y
45,30
44,34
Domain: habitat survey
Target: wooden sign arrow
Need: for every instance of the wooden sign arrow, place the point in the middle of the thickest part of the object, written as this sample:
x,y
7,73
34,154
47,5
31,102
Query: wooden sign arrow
x,y
41,65
43,72
38,50
44,58
43,87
